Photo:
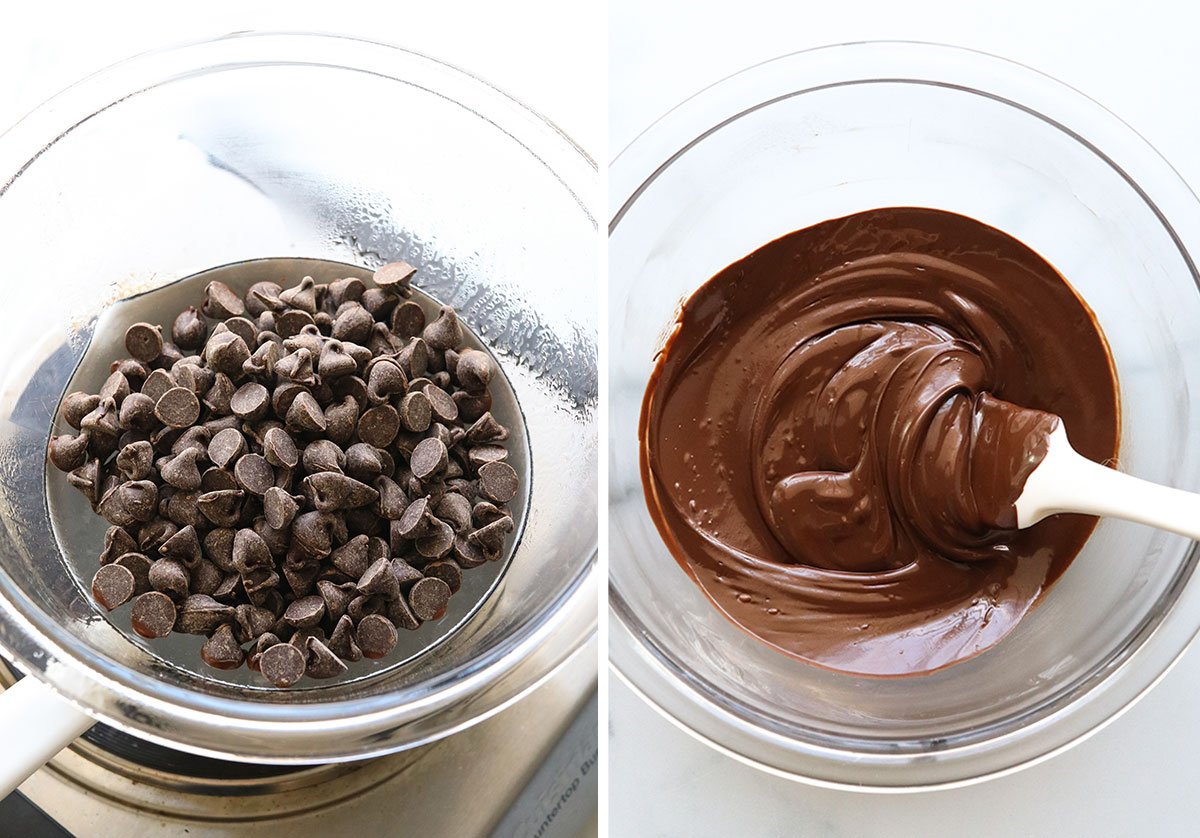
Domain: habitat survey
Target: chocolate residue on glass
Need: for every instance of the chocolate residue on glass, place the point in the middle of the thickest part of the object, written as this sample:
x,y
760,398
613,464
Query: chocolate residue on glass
x,y
837,428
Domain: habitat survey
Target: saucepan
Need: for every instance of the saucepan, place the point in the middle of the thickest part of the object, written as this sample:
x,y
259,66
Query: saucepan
x,y
292,154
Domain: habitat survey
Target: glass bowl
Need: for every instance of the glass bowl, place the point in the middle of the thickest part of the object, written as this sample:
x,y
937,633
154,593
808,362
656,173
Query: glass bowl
x,y
295,146
830,132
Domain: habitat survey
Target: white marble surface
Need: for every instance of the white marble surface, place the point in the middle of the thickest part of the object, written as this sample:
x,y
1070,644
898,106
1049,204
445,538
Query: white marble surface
x,y
1139,776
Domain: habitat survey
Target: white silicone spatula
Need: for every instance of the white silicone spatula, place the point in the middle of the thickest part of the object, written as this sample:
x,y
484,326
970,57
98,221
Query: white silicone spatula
x,y
1066,481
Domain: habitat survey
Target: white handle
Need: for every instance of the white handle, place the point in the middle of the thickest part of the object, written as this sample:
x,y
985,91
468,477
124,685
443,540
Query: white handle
x,y
1066,481
35,724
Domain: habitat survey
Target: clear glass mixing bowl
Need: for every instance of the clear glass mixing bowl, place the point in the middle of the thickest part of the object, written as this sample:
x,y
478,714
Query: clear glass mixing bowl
x,y
301,146
823,134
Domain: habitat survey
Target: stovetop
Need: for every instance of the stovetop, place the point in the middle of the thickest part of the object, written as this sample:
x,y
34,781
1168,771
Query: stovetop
x,y
530,767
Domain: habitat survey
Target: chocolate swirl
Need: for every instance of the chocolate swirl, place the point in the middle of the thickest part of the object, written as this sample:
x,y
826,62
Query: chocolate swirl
x,y
838,427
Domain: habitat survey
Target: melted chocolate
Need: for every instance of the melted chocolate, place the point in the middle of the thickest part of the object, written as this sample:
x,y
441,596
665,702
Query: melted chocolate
x,y
839,424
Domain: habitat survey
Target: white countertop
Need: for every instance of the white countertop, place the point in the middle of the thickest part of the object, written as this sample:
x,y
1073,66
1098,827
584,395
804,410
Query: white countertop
x,y
1135,778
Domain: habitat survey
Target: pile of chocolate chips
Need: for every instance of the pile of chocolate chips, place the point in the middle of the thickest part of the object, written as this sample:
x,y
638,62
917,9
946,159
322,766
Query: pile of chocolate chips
x,y
297,480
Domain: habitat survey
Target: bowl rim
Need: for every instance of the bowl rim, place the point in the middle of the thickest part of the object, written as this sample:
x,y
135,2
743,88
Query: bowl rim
x,y
1094,700
350,729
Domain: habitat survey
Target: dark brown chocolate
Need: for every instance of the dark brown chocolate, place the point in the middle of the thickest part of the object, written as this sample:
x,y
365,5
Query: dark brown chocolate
x,y
838,425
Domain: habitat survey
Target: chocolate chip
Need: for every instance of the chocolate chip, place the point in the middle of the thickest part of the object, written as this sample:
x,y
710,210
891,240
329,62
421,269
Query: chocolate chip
x,y
312,532
481,455
178,408
139,566
395,277
144,341
170,577
129,503
253,621
254,474
365,462
183,510
342,642
305,414
221,301
221,651
384,380
414,359
379,580
189,330
112,586
202,614
443,407
181,470
428,459
305,612
498,482
157,384
490,538
152,615
249,551
302,296
103,420
259,581
279,449
243,328
68,453
487,429
351,557
282,664
471,406
279,507
376,636
77,405
226,447
323,455
250,402
117,542
223,507
328,491
445,332
206,577
115,387
474,370
322,662
225,353
438,542
264,296
292,322
417,520
87,479
336,597
408,319
183,546
428,599
345,290
263,360
448,571
298,367
153,534
341,420
455,510
352,323
415,412
401,615
137,412
379,425
230,590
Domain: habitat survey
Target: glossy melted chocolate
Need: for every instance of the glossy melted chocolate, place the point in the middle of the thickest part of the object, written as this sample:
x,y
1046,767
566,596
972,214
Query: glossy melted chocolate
x,y
839,424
